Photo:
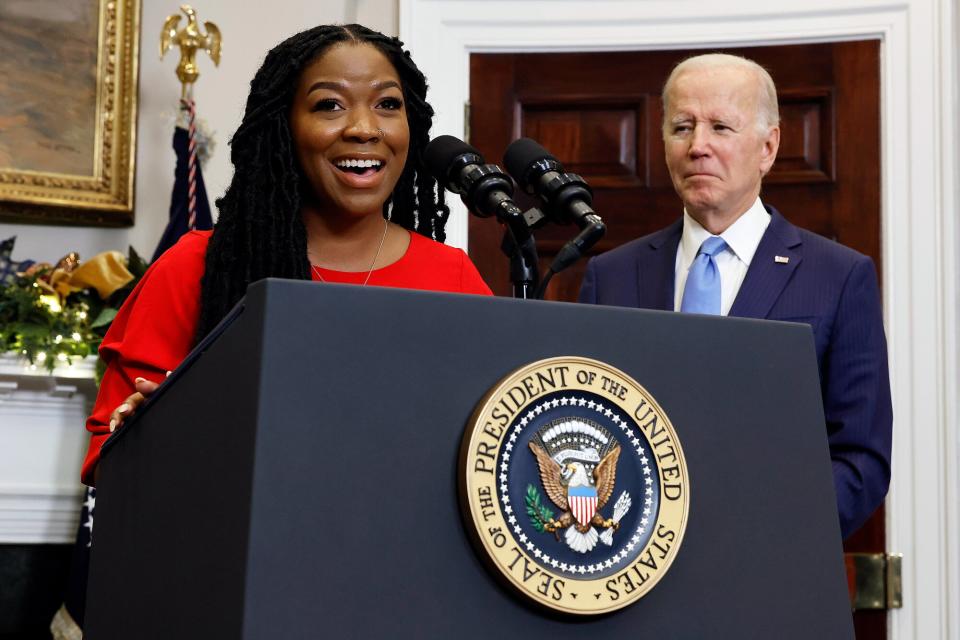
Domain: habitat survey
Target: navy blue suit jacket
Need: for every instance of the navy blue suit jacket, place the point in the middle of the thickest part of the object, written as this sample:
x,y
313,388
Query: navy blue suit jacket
x,y
824,284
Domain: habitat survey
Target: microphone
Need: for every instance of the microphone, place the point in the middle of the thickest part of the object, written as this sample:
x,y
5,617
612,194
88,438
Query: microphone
x,y
484,188
566,197
488,191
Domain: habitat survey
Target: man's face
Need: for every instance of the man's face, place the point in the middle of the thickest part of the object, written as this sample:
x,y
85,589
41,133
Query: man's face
x,y
716,152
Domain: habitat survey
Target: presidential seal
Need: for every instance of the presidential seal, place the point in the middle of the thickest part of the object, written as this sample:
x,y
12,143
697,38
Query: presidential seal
x,y
574,485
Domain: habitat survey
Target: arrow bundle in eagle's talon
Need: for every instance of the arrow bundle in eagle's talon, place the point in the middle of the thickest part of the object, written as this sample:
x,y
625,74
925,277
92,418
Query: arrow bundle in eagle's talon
x,y
619,510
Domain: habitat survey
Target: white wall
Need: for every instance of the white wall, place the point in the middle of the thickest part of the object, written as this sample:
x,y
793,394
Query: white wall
x,y
249,31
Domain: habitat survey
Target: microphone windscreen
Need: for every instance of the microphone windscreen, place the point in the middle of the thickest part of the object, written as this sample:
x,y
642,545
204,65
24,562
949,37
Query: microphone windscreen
x,y
522,153
441,153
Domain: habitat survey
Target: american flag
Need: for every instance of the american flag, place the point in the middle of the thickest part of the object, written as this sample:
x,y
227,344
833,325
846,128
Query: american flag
x,y
189,207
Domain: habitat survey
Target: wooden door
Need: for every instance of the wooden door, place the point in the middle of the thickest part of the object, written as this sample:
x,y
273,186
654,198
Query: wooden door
x,y
600,115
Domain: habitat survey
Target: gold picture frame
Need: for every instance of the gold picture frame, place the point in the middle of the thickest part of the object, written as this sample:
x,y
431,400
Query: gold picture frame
x,y
68,110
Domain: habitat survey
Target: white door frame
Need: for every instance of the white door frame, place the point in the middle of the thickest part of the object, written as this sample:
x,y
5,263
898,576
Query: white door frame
x,y
919,199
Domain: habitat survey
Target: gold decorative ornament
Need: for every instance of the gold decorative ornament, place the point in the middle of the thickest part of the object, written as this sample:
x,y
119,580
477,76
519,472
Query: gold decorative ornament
x,y
190,39
574,485
105,272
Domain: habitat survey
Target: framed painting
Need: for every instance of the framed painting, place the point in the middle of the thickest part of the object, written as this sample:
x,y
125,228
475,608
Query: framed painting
x,y
68,106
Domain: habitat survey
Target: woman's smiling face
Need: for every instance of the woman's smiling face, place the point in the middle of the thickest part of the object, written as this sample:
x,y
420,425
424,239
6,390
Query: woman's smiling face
x,y
349,126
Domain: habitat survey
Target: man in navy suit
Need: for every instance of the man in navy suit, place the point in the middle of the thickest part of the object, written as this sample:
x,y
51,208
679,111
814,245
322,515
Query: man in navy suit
x,y
732,255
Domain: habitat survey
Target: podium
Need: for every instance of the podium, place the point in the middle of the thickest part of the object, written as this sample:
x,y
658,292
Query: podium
x,y
297,476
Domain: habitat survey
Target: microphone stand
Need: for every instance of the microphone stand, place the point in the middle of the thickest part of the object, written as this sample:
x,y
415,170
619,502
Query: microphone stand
x,y
568,193
524,271
521,247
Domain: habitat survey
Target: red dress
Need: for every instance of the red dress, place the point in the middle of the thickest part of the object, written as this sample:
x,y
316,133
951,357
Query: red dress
x,y
154,330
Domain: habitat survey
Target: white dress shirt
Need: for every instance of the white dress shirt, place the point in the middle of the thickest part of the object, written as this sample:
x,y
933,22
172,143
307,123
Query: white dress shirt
x,y
742,238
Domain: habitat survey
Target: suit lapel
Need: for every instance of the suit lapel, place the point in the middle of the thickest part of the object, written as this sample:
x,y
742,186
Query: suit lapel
x,y
768,273
657,268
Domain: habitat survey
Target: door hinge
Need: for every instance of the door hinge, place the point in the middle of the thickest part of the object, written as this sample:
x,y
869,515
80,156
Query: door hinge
x,y
466,122
875,580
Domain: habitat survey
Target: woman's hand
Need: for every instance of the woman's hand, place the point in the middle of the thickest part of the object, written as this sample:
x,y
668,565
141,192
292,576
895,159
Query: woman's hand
x,y
144,389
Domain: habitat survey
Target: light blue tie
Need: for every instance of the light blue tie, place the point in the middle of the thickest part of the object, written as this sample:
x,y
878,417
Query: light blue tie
x,y
701,294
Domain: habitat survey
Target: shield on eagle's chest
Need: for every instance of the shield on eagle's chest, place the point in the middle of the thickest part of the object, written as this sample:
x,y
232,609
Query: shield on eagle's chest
x,y
583,503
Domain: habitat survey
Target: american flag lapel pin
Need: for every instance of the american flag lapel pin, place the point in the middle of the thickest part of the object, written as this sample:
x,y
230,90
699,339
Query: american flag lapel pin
x,y
781,259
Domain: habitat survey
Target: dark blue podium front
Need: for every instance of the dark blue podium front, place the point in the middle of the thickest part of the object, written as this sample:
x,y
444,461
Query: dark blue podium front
x,y
296,478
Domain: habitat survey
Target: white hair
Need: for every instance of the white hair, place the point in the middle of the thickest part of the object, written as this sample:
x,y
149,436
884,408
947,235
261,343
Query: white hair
x,y
768,113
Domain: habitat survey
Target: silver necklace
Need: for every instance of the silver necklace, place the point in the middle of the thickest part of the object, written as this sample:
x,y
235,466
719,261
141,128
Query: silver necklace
x,y
383,237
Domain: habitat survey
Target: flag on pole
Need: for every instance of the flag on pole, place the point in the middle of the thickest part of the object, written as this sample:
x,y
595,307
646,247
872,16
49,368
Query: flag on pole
x,y
189,207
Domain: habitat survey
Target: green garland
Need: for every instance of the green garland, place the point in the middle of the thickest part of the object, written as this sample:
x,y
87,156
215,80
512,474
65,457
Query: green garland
x,y
48,331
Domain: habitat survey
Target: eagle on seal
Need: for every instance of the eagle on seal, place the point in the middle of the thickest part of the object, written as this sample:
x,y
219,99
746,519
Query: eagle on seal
x,y
579,495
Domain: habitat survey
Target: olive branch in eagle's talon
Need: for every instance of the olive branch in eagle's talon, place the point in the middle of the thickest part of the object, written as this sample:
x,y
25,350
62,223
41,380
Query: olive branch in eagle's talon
x,y
541,517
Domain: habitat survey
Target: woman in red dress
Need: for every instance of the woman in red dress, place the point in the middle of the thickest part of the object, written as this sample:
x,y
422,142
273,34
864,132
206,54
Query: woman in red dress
x,y
328,185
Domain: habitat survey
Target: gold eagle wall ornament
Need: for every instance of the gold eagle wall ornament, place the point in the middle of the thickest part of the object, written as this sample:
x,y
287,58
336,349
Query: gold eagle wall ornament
x,y
190,39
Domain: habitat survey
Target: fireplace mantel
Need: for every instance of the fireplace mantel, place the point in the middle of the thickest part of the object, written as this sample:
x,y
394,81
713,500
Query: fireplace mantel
x,y
43,440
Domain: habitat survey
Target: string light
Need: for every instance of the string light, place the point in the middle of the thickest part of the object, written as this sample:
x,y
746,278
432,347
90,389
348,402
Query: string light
x,y
52,303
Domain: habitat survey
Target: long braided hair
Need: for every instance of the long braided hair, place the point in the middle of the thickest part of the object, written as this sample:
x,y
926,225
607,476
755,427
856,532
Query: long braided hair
x,y
259,232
